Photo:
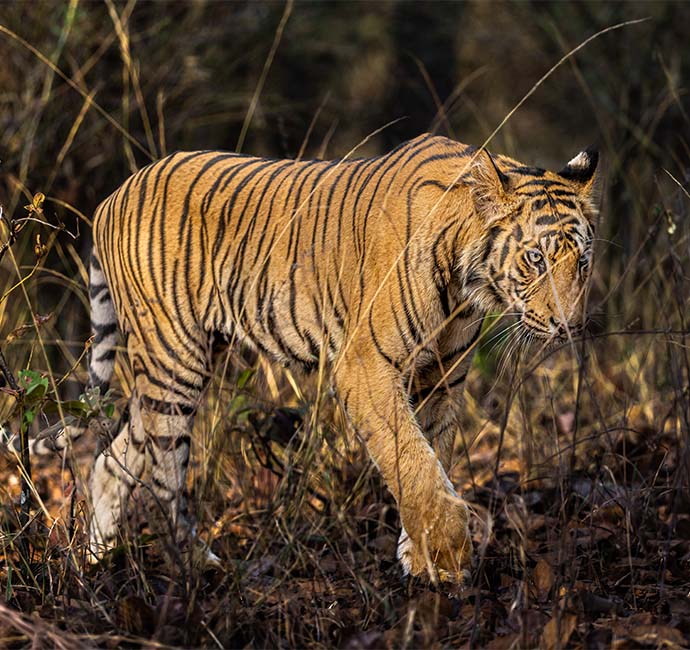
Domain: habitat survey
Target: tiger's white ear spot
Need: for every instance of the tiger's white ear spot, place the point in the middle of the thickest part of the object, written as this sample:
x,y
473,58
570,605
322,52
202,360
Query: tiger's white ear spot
x,y
582,168
584,173
582,161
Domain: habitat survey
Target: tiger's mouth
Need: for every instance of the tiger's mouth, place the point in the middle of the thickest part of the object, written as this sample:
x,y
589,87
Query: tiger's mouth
x,y
535,326
551,331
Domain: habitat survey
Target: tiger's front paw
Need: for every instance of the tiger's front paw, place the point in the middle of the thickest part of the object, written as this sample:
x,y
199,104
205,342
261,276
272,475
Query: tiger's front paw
x,y
443,551
201,555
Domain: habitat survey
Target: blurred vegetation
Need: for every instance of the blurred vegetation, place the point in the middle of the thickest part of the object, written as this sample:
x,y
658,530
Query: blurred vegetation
x,y
182,76
149,78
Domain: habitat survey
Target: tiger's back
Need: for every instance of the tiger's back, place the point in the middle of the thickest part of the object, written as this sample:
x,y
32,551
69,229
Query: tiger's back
x,y
283,254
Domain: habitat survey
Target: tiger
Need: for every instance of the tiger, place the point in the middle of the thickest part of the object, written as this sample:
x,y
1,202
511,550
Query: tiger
x,y
379,270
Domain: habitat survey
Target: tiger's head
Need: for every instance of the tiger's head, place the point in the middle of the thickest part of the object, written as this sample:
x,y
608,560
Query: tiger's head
x,y
536,258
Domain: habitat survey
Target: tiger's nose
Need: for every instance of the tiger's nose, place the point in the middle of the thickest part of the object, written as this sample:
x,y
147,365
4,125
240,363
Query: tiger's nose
x,y
561,329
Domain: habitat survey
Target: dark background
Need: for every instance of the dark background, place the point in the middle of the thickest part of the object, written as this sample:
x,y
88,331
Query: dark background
x,y
348,67
341,71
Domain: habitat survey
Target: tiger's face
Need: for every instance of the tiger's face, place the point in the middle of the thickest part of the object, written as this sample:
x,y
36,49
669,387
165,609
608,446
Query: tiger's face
x,y
537,256
547,277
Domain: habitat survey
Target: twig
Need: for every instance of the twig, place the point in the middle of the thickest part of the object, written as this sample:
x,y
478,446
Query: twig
x,y
25,495
264,73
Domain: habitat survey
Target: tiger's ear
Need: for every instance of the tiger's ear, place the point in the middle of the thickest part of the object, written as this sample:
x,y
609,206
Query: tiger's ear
x,y
583,171
490,188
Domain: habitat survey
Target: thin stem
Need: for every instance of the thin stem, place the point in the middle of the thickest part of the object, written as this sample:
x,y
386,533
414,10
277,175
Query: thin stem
x,y
25,494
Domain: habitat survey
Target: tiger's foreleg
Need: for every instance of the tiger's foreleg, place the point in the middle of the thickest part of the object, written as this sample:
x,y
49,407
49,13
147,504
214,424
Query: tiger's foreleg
x,y
438,404
375,398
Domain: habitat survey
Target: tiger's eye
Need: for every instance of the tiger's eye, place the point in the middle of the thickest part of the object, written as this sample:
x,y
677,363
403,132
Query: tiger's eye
x,y
583,264
533,256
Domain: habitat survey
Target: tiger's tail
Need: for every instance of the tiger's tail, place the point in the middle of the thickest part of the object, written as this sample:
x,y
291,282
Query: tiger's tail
x,y
101,363
103,329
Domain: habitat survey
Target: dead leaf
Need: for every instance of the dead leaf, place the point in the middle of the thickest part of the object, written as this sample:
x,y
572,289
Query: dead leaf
x,y
658,636
136,615
565,422
556,635
543,578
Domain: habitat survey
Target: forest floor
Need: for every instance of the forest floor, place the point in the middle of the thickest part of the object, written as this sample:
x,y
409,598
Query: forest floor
x,y
590,550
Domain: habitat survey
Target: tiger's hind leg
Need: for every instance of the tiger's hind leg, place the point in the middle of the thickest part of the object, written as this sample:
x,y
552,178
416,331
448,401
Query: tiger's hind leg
x,y
157,440
168,451
117,470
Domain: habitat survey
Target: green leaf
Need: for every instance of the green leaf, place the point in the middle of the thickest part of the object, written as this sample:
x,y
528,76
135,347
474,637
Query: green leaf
x,y
35,386
237,403
72,407
244,377
9,592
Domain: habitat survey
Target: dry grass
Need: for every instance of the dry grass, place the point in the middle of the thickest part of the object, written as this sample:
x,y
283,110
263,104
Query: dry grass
x,y
575,461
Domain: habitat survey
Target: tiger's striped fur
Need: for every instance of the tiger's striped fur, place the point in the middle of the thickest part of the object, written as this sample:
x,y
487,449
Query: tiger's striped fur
x,y
380,268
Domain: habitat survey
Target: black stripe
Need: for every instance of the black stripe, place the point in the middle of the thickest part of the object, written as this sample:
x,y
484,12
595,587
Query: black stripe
x,y
226,216
456,382
494,292
264,229
311,343
156,262
108,355
547,219
566,203
101,331
191,185
331,299
167,385
169,443
541,183
489,242
504,251
95,289
286,350
379,347
392,163
440,387
451,356
167,408
171,491
456,155
522,170
402,335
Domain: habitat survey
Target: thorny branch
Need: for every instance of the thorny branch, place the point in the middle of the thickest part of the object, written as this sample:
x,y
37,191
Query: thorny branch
x,y
25,496
14,228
